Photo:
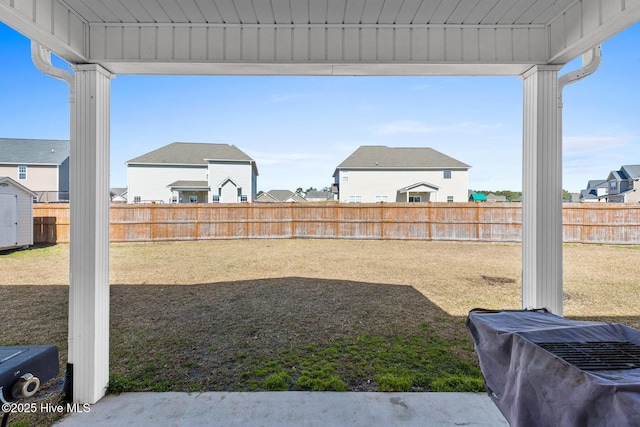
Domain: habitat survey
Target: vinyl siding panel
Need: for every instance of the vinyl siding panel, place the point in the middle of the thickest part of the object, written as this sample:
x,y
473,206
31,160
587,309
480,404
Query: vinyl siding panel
x,y
370,183
151,182
39,178
24,217
240,172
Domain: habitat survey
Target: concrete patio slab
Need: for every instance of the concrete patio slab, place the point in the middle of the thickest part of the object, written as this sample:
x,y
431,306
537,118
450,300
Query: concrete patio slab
x,y
283,409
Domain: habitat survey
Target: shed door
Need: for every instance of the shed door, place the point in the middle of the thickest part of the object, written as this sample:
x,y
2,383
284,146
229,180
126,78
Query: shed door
x,y
8,220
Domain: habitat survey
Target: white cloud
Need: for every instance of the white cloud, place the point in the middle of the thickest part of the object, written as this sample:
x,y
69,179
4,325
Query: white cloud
x,y
576,144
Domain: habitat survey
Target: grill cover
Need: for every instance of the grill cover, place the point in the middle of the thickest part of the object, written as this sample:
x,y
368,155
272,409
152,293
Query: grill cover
x,y
531,362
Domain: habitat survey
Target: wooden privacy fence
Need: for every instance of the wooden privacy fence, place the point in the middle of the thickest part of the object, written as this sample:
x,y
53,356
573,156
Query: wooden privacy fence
x,y
482,222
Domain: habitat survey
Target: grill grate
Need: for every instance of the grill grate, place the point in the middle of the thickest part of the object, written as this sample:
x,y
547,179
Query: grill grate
x,y
596,356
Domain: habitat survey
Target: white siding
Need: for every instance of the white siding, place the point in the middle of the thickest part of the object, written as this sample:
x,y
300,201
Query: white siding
x,y
14,196
150,182
8,216
25,219
372,183
241,173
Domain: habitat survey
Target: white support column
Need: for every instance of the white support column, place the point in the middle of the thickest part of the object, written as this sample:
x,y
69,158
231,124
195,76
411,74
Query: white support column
x,y
542,191
89,249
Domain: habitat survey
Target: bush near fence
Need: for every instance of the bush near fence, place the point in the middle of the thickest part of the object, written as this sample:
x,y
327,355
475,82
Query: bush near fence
x,y
481,222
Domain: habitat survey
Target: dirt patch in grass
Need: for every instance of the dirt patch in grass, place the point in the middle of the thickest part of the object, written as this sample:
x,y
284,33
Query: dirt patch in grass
x,y
301,314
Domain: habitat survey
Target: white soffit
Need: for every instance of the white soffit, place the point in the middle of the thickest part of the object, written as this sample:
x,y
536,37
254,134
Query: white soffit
x,y
320,37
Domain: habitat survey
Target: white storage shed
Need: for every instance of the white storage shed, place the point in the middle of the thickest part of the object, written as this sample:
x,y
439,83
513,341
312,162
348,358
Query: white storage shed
x,y
16,214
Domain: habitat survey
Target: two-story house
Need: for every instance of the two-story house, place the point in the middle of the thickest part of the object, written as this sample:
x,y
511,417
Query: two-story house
x,y
41,165
374,174
623,185
186,172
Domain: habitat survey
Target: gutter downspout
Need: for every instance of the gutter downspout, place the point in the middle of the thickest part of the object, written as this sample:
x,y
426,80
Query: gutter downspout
x,y
41,57
590,63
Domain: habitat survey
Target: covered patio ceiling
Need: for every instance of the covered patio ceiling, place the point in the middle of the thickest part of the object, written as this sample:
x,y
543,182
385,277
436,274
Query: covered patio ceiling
x,y
532,39
319,37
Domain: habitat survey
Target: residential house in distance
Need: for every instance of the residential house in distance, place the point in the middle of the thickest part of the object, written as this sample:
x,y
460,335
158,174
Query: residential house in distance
x,y
374,174
118,195
623,185
318,196
41,165
186,172
596,191
496,198
275,196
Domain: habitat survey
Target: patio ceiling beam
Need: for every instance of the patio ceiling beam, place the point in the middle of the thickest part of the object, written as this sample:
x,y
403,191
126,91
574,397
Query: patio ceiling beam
x,y
588,23
318,49
50,24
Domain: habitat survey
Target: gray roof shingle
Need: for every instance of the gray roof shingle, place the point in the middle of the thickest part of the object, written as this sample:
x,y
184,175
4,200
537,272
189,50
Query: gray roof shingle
x,y
382,157
633,171
191,153
33,151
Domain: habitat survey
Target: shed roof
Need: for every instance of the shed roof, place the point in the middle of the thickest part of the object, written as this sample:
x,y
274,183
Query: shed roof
x,y
477,197
33,151
6,181
192,153
383,157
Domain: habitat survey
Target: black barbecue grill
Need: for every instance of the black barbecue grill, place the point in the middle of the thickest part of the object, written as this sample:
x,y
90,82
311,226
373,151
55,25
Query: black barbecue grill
x,y
596,356
24,369
545,370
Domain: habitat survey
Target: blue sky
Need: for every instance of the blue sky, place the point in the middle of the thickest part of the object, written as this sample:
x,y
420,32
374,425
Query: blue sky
x,y
298,129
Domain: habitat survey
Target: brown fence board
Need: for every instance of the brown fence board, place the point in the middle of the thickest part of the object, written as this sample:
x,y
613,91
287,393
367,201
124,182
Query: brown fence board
x,y
486,222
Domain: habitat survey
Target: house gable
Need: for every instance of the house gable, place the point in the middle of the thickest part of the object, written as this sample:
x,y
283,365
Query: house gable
x,y
281,196
419,187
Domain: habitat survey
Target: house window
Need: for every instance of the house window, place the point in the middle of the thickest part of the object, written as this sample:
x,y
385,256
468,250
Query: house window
x,y
193,199
22,172
345,176
243,198
415,199
449,198
355,199
382,199
613,185
447,174
137,199
215,198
